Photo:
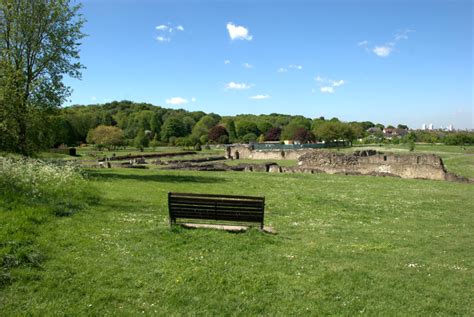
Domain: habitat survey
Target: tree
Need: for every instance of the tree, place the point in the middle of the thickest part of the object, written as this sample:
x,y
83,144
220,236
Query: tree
x,y
249,137
172,127
105,136
304,136
39,44
218,134
232,131
288,132
141,141
246,127
264,126
203,126
273,134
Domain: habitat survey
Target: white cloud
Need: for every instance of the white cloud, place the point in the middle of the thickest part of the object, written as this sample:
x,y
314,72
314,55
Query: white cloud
x,y
226,62
285,69
247,65
298,67
176,101
259,97
237,32
382,51
193,99
237,86
328,85
320,79
166,32
94,98
163,39
327,89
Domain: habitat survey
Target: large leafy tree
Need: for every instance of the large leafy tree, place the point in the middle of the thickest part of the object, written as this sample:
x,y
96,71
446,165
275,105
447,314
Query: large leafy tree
x,y
106,136
39,45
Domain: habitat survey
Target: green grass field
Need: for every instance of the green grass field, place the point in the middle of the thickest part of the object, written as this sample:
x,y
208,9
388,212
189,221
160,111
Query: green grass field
x,y
346,245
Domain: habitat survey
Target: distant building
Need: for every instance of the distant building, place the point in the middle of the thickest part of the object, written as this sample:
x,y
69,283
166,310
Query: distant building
x,y
450,127
423,126
430,126
373,130
389,133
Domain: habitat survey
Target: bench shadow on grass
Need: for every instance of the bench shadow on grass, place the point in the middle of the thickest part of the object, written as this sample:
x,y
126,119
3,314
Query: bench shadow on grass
x,y
161,178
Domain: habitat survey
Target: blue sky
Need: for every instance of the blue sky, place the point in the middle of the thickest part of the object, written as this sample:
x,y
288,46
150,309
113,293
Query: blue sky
x,y
384,61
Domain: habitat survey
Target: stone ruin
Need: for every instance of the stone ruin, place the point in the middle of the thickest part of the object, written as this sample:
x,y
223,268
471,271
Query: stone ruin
x,y
424,166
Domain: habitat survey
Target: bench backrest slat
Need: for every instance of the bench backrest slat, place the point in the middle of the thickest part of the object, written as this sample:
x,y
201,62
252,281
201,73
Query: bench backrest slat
x,y
216,207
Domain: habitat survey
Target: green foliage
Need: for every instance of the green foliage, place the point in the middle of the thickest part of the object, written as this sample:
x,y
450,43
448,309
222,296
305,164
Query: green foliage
x,y
33,193
232,131
105,136
141,141
297,123
459,138
249,137
39,44
246,127
335,130
203,126
172,127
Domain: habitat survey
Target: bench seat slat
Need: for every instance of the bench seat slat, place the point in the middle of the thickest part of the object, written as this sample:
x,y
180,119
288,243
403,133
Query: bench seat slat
x,y
221,217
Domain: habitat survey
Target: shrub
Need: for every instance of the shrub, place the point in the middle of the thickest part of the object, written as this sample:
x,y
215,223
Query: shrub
x,y
34,191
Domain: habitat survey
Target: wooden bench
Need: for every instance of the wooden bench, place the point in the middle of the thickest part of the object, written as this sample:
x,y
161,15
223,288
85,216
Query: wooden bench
x,y
245,210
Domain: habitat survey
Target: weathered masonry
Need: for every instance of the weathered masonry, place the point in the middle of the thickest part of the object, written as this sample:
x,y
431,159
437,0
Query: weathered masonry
x,y
422,166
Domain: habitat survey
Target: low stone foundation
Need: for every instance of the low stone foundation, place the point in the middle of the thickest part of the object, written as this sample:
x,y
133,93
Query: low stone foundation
x,y
367,162
424,166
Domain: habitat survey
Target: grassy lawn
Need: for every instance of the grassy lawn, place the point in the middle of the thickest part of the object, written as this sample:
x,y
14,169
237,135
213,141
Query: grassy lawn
x,y
346,245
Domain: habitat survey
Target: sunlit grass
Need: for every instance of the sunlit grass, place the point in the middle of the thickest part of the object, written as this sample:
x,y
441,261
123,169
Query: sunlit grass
x,y
346,245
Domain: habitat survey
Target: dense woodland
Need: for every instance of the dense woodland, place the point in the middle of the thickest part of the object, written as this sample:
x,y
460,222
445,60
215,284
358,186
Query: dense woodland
x,y
121,123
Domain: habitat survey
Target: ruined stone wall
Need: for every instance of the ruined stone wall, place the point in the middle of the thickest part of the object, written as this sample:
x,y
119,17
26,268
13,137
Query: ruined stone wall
x,y
426,166
246,152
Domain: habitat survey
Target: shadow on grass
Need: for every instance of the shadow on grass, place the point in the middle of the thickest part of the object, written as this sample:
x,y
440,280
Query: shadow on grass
x,y
162,178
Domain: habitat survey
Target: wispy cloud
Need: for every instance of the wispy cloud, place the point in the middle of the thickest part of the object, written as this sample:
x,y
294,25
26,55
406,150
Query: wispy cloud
x,y
298,67
286,68
167,31
384,50
176,101
259,97
237,32
247,65
237,86
226,62
328,85
327,89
